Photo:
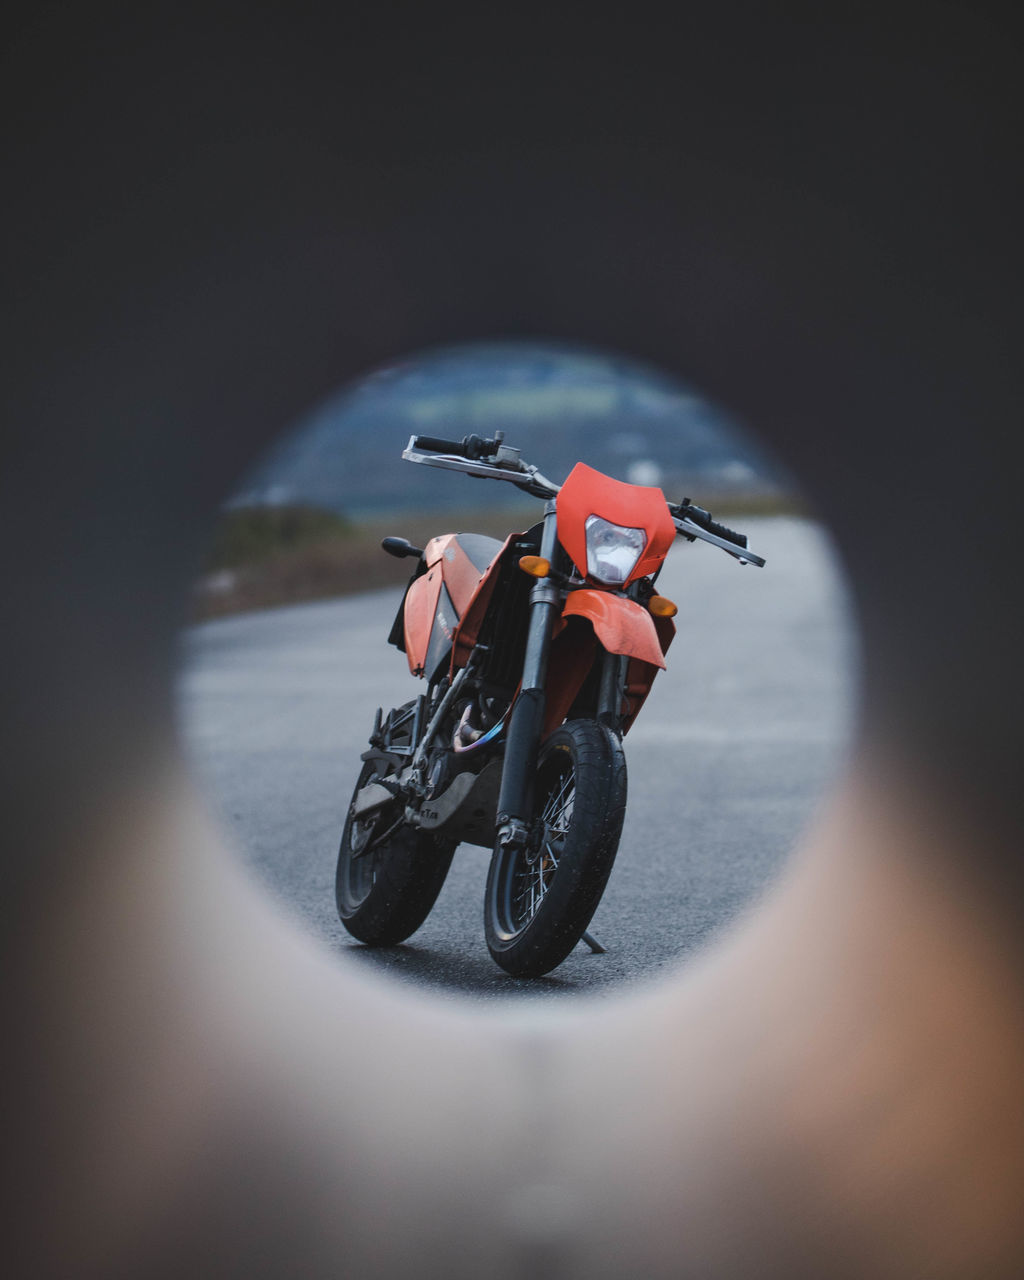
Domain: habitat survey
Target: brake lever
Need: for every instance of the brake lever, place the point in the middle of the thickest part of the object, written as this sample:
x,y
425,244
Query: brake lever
x,y
689,529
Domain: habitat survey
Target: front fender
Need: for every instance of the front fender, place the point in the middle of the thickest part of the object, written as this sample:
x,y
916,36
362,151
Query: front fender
x,y
619,623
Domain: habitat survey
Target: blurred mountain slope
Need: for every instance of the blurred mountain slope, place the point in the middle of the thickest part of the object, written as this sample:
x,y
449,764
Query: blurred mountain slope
x,y
559,405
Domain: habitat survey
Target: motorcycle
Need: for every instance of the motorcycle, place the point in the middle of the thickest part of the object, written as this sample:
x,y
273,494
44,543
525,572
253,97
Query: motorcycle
x,y
538,653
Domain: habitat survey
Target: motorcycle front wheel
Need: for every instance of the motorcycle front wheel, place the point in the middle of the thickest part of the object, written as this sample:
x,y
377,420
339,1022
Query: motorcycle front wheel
x,y
540,899
389,873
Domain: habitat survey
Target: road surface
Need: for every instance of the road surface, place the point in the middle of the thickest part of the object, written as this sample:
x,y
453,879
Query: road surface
x,y
736,747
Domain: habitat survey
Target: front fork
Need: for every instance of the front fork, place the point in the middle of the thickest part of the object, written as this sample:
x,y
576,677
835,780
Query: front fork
x,y
515,799
527,719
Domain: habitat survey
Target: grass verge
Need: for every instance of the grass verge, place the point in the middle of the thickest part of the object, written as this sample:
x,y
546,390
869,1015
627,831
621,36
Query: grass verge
x,y
345,559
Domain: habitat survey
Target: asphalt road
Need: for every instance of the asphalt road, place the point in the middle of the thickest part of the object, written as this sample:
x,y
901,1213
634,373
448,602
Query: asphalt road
x,y
736,747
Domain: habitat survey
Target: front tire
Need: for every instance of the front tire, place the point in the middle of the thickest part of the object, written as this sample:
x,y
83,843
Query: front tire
x,y
540,899
387,880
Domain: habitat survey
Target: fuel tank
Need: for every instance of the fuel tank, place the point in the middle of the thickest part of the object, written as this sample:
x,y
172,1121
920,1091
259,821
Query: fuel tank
x,y
454,566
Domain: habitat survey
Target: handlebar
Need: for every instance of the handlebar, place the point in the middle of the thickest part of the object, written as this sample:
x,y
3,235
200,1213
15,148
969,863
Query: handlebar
x,y
478,456
439,446
494,460
701,517
472,447
695,522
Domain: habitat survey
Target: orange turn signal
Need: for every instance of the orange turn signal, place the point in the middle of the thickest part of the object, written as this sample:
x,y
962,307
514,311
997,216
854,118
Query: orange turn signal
x,y
535,566
662,607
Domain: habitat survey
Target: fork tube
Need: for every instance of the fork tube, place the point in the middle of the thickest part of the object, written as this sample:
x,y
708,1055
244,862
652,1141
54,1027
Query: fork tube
x,y
527,718
609,702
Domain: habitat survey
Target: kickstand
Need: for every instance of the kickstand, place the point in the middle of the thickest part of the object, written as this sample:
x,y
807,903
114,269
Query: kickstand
x,y
593,944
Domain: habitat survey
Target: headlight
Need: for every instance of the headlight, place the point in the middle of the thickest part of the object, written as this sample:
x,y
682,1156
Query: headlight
x,y
612,551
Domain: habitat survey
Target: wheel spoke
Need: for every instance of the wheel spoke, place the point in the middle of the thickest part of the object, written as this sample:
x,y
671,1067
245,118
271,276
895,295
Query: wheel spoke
x,y
540,896
532,881
556,804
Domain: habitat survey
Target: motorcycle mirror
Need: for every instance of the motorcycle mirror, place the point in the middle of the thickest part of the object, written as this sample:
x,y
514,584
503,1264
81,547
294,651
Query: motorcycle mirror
x,y
400,547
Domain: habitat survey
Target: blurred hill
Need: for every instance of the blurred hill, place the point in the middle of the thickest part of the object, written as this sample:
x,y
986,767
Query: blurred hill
x,y
306,521
557,404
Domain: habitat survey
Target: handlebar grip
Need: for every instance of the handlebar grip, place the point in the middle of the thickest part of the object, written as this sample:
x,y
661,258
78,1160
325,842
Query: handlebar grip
x,y
441,446
703,519
723,531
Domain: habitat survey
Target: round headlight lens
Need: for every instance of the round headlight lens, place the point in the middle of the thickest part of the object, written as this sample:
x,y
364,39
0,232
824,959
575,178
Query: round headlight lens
x,y
612,550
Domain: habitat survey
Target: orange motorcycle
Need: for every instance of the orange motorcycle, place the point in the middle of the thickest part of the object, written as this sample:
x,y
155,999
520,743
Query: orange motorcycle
x,y
538,653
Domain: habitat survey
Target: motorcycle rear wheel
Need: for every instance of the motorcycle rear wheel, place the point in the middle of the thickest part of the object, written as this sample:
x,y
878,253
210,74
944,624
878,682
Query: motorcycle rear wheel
x,y
387,880
539,900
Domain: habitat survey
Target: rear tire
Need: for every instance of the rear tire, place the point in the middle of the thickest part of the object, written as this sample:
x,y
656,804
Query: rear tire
x,y
383,896
540,900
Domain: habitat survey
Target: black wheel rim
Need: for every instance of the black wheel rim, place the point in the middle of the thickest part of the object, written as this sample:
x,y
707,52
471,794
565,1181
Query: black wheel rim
x,y
528,874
